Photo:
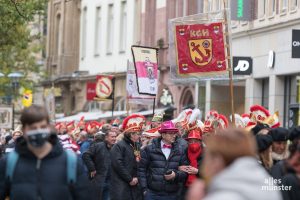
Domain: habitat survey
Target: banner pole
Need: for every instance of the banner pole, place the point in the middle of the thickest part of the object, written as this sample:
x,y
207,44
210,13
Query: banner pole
x,y
153,106
127,106
229,60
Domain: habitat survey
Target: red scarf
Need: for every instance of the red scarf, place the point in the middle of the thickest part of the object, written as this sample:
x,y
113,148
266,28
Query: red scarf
x,y
194,151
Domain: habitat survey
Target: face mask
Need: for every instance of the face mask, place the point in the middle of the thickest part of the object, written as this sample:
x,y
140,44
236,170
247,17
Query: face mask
x,y
194,147
37,138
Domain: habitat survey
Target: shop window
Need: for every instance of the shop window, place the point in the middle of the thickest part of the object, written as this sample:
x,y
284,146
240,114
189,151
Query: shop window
x,y
265,93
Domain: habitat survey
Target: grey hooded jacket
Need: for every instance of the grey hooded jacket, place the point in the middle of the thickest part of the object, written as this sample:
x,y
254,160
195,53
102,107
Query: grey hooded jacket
x,y
244,179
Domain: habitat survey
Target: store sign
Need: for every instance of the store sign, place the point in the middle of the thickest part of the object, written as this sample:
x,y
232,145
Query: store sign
x,y
296,44
242,65
242,10
90,91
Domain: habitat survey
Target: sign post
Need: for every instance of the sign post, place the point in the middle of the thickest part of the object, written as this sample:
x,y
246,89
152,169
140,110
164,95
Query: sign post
x,y
229,60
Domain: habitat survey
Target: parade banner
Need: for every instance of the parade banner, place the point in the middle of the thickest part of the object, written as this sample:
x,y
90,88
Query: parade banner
x,y
132,90
200,49
6,117
146,67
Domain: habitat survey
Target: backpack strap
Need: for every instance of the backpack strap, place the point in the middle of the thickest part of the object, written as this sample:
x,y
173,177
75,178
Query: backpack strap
x,y
71,166
12,159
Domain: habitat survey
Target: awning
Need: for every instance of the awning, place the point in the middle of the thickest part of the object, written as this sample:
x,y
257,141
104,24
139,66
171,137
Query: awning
x,y
91,116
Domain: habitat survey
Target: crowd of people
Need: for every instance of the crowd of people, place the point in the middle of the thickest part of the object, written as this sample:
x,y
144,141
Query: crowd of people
x,y
137,159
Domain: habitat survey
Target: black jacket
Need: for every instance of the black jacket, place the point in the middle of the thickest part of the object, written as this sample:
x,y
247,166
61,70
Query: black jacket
x,y
46,181
281,169
98,158
154,165
124,168
293,182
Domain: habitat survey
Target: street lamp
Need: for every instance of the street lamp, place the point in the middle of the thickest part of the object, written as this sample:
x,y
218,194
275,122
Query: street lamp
x,y
15,83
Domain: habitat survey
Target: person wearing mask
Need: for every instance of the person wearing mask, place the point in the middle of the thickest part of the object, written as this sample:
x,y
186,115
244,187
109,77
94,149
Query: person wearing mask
x,y
230,170
38,168
279,145
125,156
98,161
195,157
158,172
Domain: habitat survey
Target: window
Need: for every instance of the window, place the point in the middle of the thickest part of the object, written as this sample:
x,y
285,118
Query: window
x,y
207,6
272,7
98,31
261,8
123,28
283,6
57,35
217,5
265,93
294,4
110,29
84,26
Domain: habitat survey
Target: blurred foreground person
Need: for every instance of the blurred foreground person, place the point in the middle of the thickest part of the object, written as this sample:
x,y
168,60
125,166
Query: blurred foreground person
x,y
158,171
98,161
124,158
231,170
39,168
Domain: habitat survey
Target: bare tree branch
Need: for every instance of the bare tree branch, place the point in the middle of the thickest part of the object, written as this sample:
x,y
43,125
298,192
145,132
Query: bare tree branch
x,y
17,9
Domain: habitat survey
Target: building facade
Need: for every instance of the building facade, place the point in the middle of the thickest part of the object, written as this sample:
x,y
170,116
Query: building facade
x,y
62,55
108,29
274,82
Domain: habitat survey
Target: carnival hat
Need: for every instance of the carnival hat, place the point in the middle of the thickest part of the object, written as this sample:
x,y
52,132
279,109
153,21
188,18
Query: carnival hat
x,y
168,127
151,133
258,113
158,117
133,123
194,134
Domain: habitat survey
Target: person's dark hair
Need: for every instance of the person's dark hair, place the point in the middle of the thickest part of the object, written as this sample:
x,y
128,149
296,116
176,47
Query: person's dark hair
x,y
108,132
294,147
34,114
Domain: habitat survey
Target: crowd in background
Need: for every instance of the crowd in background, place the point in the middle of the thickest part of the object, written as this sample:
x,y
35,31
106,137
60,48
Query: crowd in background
x,y
184,158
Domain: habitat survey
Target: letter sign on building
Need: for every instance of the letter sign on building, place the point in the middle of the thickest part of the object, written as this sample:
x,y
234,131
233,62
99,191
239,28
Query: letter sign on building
x,y
296,44
242,65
